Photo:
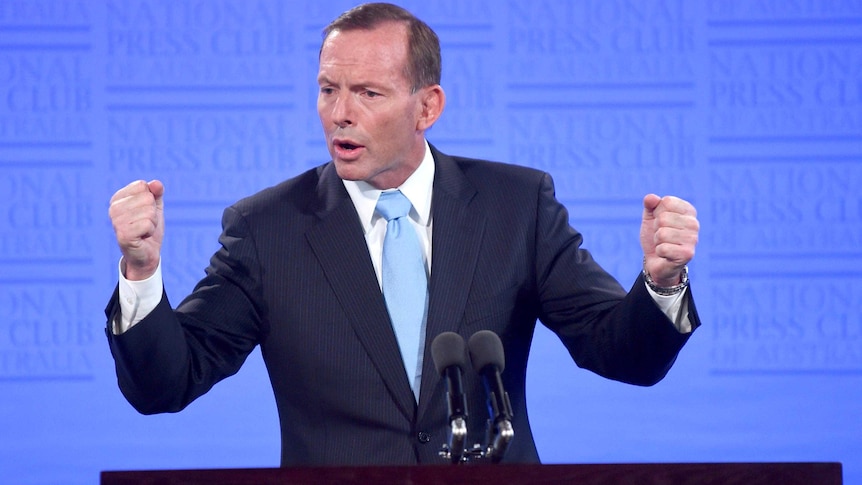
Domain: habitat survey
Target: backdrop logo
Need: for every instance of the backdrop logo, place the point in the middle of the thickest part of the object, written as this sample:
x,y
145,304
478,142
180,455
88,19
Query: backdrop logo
x,y
45,333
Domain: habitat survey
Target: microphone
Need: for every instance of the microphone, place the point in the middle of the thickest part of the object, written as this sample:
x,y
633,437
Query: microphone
x,y
449,356
486,352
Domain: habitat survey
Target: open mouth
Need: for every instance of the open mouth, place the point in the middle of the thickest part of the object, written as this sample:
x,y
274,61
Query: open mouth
x,y
346,147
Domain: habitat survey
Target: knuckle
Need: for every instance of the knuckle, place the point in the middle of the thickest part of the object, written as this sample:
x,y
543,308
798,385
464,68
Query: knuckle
x,y
663,234
666,218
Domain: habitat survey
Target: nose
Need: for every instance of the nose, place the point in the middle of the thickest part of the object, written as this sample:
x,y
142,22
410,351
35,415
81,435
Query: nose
x,y
342,111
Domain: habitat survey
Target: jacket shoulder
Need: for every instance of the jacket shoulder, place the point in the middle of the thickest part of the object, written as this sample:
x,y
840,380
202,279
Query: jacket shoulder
x,y
475,168
503,181
295,194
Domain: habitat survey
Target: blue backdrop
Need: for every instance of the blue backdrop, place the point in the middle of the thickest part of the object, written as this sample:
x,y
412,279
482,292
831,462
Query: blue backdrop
x,y
751,109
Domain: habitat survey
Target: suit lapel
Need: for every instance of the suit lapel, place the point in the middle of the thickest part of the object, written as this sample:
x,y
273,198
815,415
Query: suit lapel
x,y
457,237
340,247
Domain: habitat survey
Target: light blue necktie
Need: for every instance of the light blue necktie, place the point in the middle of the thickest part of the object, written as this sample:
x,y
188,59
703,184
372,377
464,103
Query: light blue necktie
x,y
405,283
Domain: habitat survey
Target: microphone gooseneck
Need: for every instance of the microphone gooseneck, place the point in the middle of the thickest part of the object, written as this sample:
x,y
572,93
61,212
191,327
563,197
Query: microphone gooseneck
x,y
449,354
487,355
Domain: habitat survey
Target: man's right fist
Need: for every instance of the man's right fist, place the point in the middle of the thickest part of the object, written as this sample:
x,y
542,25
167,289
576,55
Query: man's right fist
x,y
137,214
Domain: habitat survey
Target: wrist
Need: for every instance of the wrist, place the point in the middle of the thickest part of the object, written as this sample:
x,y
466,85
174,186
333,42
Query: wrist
x,y
666,290
135,273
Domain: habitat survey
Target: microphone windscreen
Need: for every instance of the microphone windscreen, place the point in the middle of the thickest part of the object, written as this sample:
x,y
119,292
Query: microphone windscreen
x,y
447,350
486,349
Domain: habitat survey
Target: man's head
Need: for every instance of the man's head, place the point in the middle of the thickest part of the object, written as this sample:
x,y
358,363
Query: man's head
x,y
376,100
424,66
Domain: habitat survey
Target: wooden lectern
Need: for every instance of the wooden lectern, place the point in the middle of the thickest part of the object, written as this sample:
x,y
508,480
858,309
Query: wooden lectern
x,y
487,474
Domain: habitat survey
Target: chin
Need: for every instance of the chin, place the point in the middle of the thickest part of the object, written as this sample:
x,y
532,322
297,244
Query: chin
x,y
347,171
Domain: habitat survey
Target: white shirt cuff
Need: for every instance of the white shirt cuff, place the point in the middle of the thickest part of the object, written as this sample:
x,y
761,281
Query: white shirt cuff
x,y
137,299
675,307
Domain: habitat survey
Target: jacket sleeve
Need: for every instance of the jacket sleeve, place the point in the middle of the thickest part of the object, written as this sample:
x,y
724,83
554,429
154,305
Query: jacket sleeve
x,y
172,356
617,334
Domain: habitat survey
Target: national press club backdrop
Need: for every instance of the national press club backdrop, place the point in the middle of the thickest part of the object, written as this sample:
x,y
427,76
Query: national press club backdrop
x,y
751,109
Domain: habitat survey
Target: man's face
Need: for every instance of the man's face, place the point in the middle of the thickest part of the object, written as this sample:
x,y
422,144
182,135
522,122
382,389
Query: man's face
x,y
373,123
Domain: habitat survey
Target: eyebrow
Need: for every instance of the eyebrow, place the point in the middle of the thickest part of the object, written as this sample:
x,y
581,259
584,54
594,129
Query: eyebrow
x,y
375,86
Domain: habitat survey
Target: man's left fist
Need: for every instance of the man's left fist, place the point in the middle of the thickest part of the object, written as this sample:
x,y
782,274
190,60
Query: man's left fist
x,y
668,237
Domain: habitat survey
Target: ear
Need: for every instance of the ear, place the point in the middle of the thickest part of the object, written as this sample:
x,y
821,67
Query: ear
x,y
432,102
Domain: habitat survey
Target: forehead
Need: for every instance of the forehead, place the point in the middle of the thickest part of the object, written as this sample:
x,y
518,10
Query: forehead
x,y
383,48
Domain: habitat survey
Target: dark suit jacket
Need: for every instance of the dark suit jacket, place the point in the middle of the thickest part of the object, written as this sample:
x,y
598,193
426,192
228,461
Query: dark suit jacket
x,y
294,276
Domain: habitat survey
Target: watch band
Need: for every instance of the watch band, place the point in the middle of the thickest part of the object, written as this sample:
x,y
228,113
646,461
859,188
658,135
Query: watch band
x,y
667,290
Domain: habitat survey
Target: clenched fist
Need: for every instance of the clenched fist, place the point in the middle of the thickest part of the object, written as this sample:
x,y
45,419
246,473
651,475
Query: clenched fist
x,y
668,237
137,214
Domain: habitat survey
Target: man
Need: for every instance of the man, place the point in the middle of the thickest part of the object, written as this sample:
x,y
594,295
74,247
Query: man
x,y
302,265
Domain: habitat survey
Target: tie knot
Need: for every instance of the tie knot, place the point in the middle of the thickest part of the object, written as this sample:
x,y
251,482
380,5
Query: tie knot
x,y
392,205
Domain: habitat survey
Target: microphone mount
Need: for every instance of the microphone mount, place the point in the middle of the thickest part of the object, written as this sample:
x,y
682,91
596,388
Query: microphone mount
x,y
486,352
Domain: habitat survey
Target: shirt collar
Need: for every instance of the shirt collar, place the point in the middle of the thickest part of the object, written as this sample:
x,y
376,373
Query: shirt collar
x,y
417,188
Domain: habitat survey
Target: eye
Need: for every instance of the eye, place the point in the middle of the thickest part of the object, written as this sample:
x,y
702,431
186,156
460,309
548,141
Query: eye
x,y
326,90
371,94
